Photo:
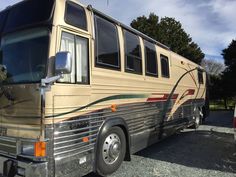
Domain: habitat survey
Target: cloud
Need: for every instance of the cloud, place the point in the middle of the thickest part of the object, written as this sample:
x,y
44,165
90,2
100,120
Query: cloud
x,y
4,4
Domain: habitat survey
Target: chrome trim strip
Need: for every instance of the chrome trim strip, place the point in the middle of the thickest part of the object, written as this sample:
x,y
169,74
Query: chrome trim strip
x,y
79,134
20,128
77,139
8,145
76,144
75,149
7,139
77,120
74,130
63,157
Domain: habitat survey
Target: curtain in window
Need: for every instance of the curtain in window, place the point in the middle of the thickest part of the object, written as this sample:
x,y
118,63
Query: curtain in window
x,y
67,44
82,60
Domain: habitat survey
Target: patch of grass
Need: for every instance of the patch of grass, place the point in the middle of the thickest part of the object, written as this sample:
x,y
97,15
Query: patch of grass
x,y
219,105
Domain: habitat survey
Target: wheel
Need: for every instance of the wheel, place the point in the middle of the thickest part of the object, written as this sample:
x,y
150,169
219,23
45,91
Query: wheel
x,y
111,151
201,113
204,114
197,116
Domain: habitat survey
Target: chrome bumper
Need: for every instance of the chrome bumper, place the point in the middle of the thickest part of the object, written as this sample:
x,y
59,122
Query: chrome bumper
x,y
13,167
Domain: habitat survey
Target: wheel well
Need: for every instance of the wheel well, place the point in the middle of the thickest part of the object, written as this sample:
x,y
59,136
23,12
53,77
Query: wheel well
x,y
116,122
127,153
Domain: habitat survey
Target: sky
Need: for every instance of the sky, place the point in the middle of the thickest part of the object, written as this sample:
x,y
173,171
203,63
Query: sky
x,y
210,23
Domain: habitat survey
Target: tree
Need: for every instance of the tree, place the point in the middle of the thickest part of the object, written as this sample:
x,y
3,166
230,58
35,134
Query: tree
x,y
171,33
214,70
148,26
212,67
224,86
229,74
229,55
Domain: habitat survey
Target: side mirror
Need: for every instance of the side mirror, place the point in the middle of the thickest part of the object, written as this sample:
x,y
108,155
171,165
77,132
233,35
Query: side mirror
x,y
63,63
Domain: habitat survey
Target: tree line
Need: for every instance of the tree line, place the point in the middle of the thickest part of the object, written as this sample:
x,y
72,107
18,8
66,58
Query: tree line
x,y
223,86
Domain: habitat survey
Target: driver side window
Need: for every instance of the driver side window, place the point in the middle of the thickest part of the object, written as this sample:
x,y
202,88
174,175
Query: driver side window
x,y
78,47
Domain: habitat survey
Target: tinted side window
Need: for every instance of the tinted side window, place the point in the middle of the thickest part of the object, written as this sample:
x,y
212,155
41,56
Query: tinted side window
x,y
133,53
200,77
151,59
75,15
107,44
165,70
3,16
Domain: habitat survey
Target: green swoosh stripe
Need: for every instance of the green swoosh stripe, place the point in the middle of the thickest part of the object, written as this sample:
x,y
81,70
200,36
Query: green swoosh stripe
x,y
114,97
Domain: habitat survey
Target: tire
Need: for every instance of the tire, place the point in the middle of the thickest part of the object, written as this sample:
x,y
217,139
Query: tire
x,y
111,151
197,115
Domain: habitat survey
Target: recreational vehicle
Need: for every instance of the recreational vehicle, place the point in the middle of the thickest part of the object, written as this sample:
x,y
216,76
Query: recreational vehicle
x,y
80,91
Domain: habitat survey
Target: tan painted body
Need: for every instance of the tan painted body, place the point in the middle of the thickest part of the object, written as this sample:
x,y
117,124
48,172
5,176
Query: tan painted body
x,y
105,82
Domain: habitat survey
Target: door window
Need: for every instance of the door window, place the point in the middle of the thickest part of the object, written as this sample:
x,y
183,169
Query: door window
x,y
82,60
78,47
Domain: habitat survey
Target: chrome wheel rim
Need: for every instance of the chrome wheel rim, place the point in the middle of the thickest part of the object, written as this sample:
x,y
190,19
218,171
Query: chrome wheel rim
x,y
197,120
197,116
111,148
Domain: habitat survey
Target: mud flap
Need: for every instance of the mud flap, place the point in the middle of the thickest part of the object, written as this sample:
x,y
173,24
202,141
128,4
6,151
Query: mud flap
x,y
9,168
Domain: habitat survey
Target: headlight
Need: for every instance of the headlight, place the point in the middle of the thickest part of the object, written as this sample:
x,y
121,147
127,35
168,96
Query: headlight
x,y
27,148
36,149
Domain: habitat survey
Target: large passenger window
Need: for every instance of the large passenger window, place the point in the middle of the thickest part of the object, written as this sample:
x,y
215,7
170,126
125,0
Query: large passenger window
x,y
75,15
132,53
78,47
151,59
165,71
3,17
107,44
200,77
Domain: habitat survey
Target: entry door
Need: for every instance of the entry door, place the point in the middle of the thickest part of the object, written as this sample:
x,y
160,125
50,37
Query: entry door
x,y
71,96
73,91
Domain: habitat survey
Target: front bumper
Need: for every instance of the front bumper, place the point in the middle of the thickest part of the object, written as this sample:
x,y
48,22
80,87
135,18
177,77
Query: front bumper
x,y
10,167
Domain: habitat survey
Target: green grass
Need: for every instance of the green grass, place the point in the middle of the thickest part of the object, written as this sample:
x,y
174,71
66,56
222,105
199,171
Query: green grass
x,y
219,105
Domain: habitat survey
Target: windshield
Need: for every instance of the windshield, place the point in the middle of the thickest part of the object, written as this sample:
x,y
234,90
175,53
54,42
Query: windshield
x,y
25,14
24,56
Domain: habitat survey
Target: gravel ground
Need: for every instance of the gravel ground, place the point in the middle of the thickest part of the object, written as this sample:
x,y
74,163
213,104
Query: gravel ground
x,y
207,152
